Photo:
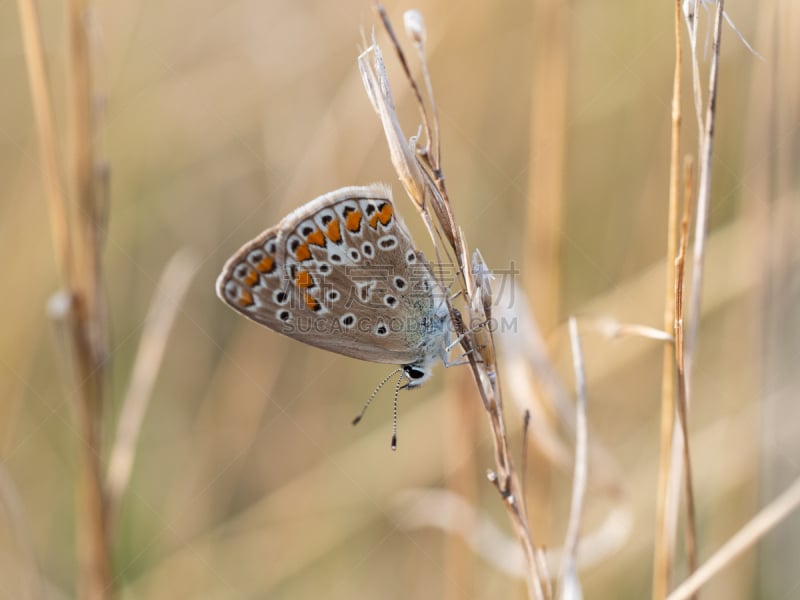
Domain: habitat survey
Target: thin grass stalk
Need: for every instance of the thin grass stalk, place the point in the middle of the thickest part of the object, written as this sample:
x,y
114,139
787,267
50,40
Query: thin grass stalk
x,y
682,404
613,329
691,325
52,167
76,256
581,445
93,541
415,29
689,331
697,96
89,333
172,287
568,579
662,546
703,197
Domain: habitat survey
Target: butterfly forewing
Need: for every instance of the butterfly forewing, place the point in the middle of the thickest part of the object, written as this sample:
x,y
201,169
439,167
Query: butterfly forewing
x,y
339,273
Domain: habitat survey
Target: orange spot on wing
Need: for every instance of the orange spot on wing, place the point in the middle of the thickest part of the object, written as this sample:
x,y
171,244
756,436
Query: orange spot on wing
x,y
334,233
353,220
304,280
312,302
267,265
302,252
316,238
251,279
384,215
245,299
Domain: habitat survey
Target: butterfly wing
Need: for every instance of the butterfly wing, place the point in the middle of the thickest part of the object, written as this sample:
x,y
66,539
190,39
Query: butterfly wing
x,y
339,273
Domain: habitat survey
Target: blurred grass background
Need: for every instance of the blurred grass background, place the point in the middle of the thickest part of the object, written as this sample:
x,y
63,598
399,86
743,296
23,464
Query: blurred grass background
x,y
249,481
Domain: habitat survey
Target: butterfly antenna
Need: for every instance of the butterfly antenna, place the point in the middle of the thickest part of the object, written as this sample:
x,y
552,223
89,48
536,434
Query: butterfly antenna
x,y
394,414
375,393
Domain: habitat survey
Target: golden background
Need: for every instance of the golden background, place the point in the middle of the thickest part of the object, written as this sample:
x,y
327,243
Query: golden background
x,y
249,482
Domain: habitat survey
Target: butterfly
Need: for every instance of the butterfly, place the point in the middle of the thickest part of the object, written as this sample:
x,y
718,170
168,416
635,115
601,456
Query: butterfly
x,y
342,273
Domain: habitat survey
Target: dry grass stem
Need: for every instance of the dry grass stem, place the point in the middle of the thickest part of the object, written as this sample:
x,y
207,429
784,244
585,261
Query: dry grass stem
x,y
80,310
690,16
678,440
52,167
703,196
613,329
415,29
663,540
690,326
768,518
680,362
90,335
172,287
569,584
421,175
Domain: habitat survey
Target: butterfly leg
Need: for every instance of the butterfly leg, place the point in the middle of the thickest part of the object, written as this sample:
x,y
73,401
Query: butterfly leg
x,y
464,335
460,360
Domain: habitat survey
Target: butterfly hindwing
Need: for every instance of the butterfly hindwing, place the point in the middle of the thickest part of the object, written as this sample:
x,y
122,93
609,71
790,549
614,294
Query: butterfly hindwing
x,y
339,273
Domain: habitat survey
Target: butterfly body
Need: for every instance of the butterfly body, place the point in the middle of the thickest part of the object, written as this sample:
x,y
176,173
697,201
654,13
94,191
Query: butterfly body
x,y
342,273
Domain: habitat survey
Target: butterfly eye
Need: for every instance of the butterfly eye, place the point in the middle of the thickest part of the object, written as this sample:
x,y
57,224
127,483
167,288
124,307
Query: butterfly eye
x,y
400,283
284,315
390,301
354,255
414,372
381,330
348,320
367,249
411,257
333,295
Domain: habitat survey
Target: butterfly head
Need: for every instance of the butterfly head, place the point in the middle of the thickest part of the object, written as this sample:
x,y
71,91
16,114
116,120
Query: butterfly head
x,y
416,374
